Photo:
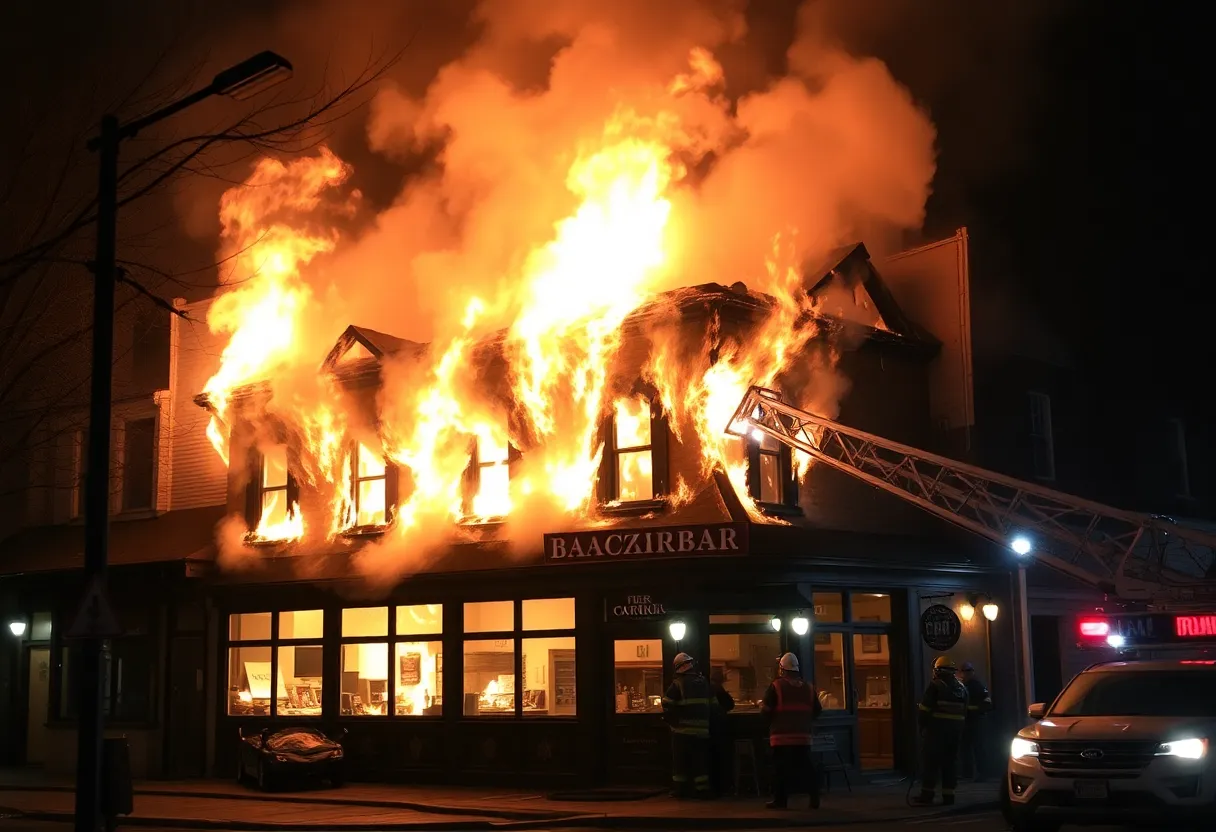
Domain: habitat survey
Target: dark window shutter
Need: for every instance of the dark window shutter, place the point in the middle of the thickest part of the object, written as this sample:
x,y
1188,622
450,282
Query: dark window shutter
x,y
753,468
471,479
253,491
605,487
390,491
293,486
659,448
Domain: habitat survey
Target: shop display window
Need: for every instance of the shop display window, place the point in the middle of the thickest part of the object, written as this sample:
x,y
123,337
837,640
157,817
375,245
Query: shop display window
x,y
548,614
275,663
829,676
549,677
745,664
365,622
871,607
829,607
489,616
546,685
489,677
420,620
249,675
364,689
418,687
638,675
300,672
249,626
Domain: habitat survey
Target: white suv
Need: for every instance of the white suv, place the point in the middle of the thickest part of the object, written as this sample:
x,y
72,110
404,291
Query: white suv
x,y
1124,741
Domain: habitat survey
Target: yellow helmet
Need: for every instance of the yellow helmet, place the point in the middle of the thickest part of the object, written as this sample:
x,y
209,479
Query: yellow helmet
x,y
944,663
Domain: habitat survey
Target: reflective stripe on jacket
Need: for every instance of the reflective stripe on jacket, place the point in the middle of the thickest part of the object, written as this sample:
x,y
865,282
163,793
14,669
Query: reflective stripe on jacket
x,y
687,704
944,704
796,707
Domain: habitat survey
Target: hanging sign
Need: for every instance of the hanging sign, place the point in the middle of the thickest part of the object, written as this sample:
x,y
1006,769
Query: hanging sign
x,y
940,627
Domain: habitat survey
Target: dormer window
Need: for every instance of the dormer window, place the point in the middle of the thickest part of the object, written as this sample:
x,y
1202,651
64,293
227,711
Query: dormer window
x,y
274,503
369,488
489,489
634,465
272,499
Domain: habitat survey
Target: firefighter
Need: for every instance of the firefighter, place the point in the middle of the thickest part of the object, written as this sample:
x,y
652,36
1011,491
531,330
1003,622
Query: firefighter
x,y
686,708
791,705
943,710
979,703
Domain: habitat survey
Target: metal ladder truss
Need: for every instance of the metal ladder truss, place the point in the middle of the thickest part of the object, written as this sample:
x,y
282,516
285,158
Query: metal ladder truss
x,y
1138,557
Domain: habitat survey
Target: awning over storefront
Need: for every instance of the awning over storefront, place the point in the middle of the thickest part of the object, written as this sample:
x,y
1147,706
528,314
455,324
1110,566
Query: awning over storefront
x,y
186,536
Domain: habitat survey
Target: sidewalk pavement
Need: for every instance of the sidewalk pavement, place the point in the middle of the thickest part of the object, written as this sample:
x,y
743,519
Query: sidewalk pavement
x,y
217,804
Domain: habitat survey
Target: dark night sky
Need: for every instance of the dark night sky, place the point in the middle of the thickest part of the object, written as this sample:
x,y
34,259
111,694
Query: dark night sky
x,y
1065,136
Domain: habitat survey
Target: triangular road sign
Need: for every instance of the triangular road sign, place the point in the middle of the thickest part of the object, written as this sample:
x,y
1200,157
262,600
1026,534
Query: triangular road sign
x,y
96,618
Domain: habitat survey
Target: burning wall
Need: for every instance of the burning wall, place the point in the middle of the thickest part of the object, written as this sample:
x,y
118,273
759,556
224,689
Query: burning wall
x,y
551,219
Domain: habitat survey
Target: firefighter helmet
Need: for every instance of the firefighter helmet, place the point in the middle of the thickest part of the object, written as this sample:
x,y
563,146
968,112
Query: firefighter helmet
x,y
967,667
681,660
789,662
944,664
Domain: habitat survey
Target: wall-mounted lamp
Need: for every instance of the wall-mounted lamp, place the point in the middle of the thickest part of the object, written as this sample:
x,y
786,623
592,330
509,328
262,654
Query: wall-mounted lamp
x,y
990,610
967,611
800,625
677,630
775,623
17,628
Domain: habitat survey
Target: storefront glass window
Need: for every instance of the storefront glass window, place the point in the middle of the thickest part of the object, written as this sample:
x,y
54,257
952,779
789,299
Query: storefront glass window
x,y
364,680
302,624
829,671
745,665
631,427
489,676
365,622
419,683
829,607
420,620
249,626
871,607
301,669
549,614
638,675
549,677
489,617
249,681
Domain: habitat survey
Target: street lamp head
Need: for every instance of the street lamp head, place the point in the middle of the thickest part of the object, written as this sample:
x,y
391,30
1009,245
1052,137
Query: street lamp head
x,y
252,76
677,630
1020,545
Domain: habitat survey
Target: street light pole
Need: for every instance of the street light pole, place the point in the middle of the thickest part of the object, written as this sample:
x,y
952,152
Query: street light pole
x,y
242,81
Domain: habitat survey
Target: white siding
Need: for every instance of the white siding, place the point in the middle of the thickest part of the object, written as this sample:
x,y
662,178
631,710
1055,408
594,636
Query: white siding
x,y
198,475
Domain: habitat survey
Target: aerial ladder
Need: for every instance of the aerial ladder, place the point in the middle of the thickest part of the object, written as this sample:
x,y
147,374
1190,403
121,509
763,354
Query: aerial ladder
x,y
1138,558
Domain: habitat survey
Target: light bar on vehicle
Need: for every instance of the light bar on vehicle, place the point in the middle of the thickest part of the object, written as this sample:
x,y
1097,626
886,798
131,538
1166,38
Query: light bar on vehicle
x,y
1094,627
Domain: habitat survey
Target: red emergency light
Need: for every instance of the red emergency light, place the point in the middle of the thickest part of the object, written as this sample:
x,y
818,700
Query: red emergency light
x,y
1195,626
1094,627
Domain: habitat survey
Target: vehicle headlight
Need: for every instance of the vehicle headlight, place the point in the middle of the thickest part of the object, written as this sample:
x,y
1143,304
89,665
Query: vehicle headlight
x,y
1192,748
1020,748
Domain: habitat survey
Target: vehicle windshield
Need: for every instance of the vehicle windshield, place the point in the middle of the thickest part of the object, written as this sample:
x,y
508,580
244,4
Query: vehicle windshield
x,y
1147,693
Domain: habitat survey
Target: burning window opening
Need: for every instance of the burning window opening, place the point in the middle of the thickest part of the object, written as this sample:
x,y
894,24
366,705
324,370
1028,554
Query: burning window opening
x,y
633,449
279,517
491,472
369,491
771,484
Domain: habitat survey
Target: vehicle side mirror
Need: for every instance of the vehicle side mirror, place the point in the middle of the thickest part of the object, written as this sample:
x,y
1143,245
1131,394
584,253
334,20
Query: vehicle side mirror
x,y
1037,711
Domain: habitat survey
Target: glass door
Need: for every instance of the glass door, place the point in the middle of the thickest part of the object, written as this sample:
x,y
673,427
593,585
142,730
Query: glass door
x,y
637,739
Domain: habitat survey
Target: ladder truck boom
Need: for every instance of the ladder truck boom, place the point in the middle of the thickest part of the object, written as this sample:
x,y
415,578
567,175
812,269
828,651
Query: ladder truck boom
x,y
1137,557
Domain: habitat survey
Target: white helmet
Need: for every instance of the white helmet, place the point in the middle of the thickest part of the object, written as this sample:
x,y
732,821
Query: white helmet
x,y
789,662
681,660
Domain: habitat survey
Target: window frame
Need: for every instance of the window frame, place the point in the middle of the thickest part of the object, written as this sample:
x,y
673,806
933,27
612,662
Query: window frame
x,y
1040,431
518,636
608,485
152,461
273,643
849,627
147,637
395,638
787,642
787,482
472,483
387,640
390,492
255,491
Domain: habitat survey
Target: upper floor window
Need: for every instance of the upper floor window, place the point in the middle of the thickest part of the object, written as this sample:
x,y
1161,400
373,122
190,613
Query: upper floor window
x,y
271,500
1042,446
488,495
1176,457
634,465
370,488
770,476
139,464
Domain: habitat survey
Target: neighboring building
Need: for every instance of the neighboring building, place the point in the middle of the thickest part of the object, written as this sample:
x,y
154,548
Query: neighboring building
x,y
549,653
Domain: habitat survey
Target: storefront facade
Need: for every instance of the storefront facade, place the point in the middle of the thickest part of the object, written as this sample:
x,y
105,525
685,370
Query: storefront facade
x,y
558,668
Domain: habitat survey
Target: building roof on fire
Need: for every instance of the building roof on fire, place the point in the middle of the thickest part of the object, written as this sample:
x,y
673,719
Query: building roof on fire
x,y
358,343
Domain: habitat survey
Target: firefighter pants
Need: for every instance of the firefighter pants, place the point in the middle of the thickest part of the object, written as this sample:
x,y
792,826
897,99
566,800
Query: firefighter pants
x,y
689,764
938,762
793,773
974,750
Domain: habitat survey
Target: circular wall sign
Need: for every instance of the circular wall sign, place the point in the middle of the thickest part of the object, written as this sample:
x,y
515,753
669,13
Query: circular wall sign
x,y
940,627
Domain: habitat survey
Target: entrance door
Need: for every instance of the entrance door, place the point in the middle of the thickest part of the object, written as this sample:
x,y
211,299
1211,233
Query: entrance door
x,y
638,741
186,707
872,693
38,673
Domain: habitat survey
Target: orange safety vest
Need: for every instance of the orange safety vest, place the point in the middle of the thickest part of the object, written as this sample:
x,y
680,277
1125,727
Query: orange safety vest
x,y
795,711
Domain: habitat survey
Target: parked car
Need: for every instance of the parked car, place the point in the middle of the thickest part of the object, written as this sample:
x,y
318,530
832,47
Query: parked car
x,y
290,757
1124,742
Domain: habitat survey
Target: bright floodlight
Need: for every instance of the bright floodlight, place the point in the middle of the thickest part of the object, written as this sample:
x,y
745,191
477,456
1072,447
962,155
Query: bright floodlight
x,y
800,625
1115,640
677,630
1020,545
17,628
775,623
252,76
757,434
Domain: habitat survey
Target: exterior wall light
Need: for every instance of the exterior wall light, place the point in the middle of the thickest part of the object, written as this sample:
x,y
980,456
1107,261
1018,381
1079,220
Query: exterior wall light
x,y
17,628
966,611
800,625
1020,545
677,629
775,623
990,611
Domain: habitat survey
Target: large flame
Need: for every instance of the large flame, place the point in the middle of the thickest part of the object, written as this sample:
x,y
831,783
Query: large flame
x,y
466,454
